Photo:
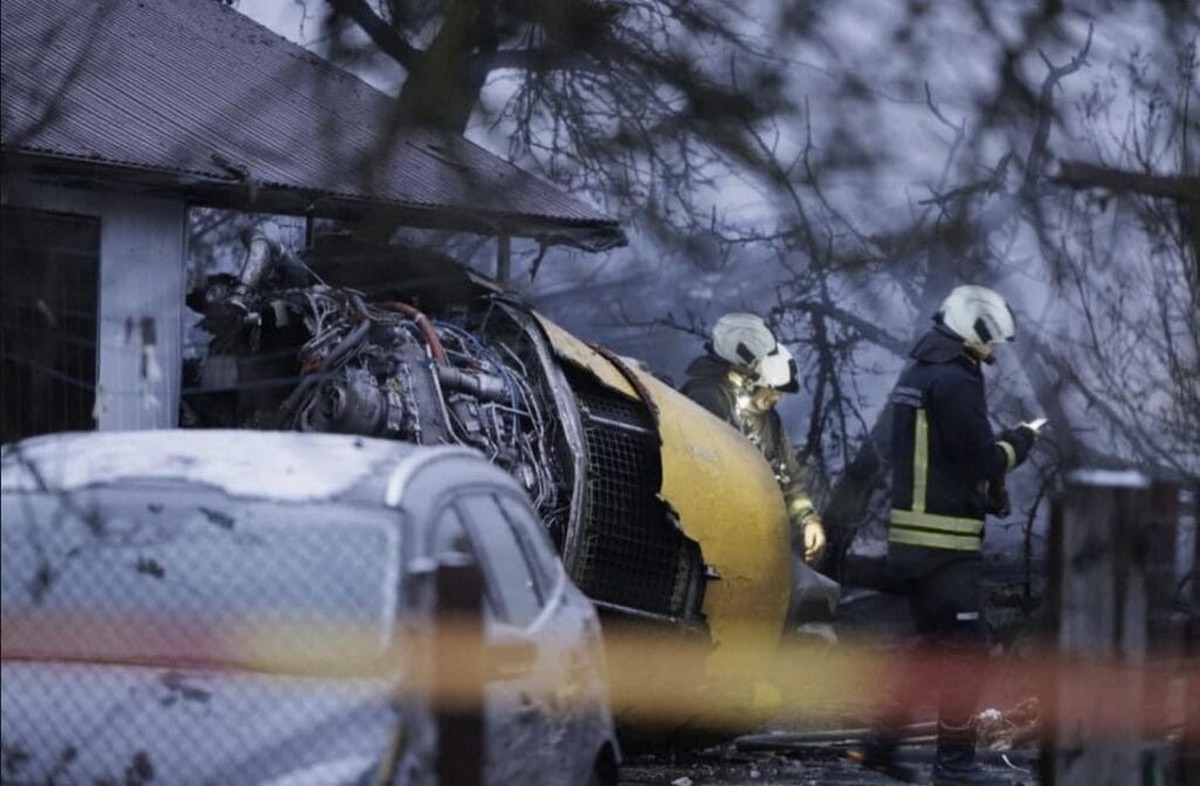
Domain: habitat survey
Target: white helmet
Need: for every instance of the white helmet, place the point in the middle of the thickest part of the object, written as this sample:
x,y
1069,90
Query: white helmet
x,y
746,342
979,315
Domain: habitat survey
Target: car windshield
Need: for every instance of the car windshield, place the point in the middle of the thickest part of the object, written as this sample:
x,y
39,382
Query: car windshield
x,y
180,573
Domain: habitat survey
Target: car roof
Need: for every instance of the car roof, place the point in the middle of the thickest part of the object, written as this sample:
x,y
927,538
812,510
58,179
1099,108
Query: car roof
x,y
288,466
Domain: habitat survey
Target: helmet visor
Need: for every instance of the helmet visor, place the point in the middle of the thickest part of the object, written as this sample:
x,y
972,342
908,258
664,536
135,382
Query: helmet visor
x,y
778,370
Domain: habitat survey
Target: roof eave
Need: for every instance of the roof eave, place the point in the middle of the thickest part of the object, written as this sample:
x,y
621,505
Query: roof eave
x,y
204,189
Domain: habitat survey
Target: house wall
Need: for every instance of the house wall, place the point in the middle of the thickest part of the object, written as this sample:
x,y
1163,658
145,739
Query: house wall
x,y
142,247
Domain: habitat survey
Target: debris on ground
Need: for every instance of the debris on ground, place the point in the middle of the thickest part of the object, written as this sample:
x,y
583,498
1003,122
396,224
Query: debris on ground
x,y
1005,730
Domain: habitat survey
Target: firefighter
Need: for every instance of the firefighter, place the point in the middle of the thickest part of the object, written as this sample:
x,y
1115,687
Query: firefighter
x,y
948,473
741,378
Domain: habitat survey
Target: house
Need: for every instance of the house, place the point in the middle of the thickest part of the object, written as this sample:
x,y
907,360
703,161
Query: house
x,y
120,115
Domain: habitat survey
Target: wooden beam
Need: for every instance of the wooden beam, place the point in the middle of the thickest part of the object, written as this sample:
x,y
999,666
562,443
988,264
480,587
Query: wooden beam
x,y
503,258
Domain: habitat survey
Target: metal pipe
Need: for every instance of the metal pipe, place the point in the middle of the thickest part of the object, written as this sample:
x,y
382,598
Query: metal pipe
x,y
259,253
484,386
427,328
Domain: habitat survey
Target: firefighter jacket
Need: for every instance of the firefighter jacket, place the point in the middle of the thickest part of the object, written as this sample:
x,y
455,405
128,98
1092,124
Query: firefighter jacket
x,y
944,454
716,386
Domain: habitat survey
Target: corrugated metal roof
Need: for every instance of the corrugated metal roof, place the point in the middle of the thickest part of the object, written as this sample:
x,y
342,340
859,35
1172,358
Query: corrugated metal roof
x,y
193,87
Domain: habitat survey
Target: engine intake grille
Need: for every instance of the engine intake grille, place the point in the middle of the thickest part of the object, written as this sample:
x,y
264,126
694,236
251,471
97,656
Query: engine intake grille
x,y
631,553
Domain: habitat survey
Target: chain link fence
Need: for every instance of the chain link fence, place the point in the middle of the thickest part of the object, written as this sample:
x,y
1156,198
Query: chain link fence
x,y
176,635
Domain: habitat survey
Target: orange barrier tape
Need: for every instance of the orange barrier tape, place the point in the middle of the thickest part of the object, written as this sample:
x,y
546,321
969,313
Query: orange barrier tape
x,y
663,679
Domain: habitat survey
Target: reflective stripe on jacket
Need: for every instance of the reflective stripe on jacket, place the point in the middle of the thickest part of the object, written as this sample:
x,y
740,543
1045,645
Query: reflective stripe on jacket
x,y
944,453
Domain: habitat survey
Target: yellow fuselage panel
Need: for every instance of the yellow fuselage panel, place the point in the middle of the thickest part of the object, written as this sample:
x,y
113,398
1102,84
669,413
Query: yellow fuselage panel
x,y
728,501
573,349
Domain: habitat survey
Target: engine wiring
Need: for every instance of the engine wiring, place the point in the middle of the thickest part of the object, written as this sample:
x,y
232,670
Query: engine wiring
x,y
386,368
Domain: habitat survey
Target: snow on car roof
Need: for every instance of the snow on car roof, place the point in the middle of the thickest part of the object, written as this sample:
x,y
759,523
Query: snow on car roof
x,y
289,466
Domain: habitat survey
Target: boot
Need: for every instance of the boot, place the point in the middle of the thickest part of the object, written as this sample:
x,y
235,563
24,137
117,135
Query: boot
x,y
879,754
955,763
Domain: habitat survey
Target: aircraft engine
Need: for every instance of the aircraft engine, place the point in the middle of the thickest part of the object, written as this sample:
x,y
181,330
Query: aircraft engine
x,y
663,514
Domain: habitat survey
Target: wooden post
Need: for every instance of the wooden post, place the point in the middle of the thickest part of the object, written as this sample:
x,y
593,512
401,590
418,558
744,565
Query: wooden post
x,y
1098,583
503,258
1169,558
1190,763
458,660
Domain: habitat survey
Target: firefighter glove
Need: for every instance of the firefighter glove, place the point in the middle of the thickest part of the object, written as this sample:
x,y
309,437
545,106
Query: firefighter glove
x,y
814,539
1021,438
997,499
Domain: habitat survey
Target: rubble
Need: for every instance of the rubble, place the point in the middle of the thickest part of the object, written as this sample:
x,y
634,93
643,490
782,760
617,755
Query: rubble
x,y
1005,730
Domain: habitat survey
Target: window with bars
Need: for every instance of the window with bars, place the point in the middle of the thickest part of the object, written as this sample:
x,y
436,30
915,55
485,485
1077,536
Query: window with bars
x,y
49,276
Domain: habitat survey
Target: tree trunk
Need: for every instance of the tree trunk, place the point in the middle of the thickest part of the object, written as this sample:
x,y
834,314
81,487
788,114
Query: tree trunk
x,y
444,91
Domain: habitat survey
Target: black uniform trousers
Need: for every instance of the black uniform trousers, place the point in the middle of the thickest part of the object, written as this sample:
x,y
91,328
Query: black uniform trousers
x,y
943,589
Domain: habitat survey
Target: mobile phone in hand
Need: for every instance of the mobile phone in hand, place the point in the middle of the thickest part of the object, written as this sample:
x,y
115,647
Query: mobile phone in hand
x,y
1035,425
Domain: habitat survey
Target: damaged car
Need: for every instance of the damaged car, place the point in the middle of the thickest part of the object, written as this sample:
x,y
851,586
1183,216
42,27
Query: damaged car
x,y
245,607
664,516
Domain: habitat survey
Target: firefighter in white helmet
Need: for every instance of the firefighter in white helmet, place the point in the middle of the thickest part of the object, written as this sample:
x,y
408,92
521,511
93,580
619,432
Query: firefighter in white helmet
x,y
741,378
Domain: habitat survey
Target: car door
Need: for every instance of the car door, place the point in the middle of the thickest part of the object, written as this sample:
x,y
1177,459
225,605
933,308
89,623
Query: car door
x,y
523,728
580,722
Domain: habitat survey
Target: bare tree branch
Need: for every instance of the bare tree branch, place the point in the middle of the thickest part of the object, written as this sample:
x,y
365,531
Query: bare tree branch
x,y
1080,174
1038,149
383,35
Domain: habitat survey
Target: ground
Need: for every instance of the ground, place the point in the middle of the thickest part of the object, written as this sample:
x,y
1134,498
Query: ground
x,y
872,624
818,766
